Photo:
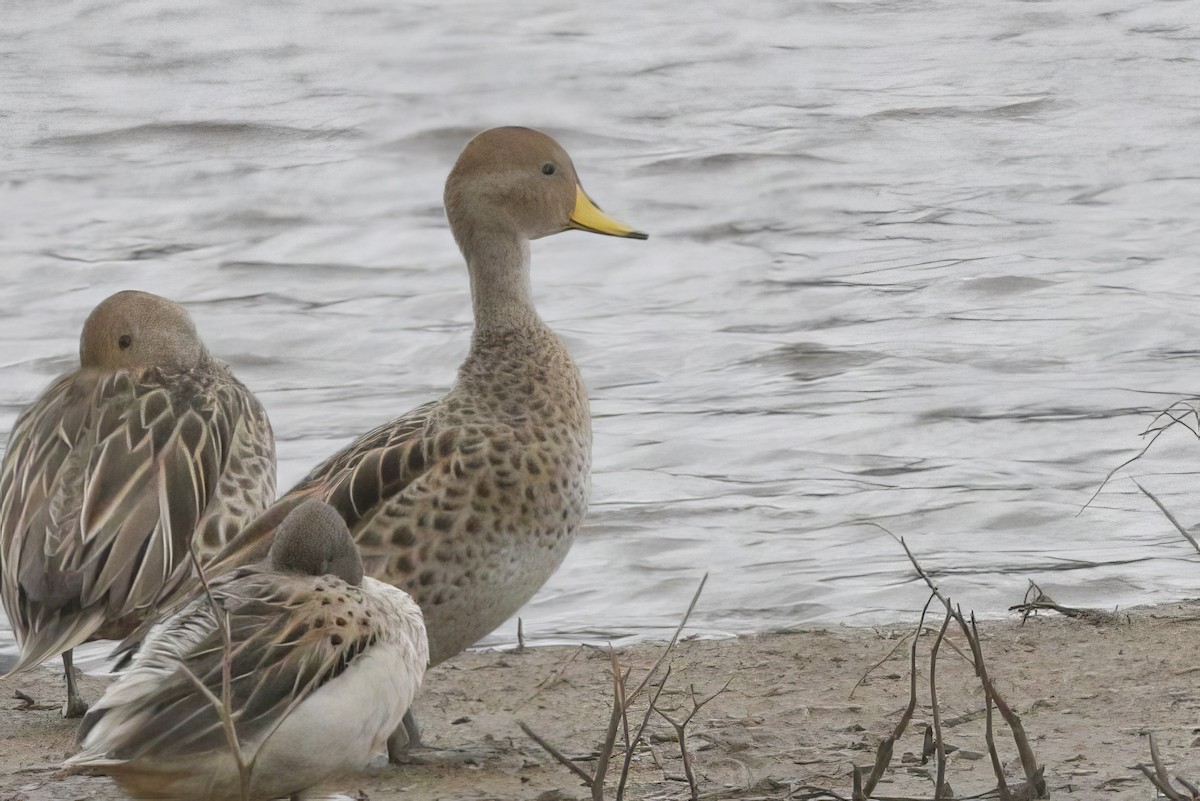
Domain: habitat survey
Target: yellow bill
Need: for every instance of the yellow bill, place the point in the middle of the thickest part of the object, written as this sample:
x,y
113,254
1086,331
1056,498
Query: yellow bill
x,y
588,217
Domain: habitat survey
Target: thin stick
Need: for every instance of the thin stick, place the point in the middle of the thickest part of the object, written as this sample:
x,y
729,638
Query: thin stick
x,y
1165,789
637,738
671,644
625,708
1033,774
621,702
681,734
224,707
899,644
937,717
1037,600
614,722
883,757
1158,432
1178,526
562,759
555,675
1165,775
990,738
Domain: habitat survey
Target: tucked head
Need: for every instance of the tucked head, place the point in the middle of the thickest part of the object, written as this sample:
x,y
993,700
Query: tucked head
x,y
137,329
313,540
520,179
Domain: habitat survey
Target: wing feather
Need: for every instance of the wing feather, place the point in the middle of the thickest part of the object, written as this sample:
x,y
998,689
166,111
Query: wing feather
x,y
278,658
355,481
103,486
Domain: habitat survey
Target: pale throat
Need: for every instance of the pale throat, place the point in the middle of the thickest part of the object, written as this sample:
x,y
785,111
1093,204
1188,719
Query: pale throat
x,y
501,292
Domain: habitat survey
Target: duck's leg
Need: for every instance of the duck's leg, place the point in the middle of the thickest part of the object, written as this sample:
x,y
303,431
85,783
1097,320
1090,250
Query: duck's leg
x,y
406,737
74,707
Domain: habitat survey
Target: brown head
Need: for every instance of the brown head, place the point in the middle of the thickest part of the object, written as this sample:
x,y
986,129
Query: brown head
x,y
137,329
519,179
313,540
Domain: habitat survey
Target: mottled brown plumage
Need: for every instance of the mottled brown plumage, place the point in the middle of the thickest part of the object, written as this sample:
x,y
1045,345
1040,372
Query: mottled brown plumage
x,y
150,445
322,665
470,503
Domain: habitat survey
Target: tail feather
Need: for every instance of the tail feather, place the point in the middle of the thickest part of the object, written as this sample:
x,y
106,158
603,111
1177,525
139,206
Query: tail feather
x,y
54,637
92,762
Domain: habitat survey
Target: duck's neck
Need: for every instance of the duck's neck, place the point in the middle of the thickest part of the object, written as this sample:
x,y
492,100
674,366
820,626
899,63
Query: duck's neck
x,y
502,297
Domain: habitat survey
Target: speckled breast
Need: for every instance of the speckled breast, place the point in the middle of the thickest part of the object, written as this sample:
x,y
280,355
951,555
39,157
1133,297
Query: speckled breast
x,y
491,524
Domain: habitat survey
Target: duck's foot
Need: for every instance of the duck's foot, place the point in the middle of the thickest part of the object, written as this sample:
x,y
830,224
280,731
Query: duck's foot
x,y
406,748
405,739
74,706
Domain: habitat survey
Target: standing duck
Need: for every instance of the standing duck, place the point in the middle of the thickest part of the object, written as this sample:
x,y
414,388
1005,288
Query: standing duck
x,y
322,664
118,468
471,502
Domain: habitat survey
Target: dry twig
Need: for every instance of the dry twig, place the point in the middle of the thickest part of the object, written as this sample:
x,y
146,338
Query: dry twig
x,y
1036,600
1155,430
938,743
28,702
1170,517
1034,785
559,756
638,737
224,704
883,756
619,719
1161,778
681,733
555,676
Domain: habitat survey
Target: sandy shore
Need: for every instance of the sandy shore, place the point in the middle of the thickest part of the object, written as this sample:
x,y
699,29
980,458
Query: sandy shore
x,y
1085,693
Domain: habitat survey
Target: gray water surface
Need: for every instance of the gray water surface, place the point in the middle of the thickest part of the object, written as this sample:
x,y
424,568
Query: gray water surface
x,y
928,264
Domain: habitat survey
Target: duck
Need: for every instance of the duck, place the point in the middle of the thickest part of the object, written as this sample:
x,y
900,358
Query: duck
x,y
470,502
150,448
320,665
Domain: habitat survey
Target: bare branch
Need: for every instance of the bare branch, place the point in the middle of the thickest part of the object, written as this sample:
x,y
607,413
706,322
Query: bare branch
x,y
681,734
883,756
1160,777
1157,432
1036,600
225,705
1034,775
939,787
619,718
629,747
555,675
899,644
562,759
671,644
1178,526
614,722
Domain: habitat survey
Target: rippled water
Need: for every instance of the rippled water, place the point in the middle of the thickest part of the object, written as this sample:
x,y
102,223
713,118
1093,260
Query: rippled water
x,y
929,264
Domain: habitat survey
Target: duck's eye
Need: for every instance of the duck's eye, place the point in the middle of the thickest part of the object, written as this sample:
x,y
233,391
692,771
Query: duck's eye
x,y
548,168
125,341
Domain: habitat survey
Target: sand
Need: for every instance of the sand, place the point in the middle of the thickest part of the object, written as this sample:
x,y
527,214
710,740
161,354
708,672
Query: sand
x,y
787,723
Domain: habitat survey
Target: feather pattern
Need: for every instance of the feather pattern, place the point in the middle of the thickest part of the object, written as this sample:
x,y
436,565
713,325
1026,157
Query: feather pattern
x,y
107,478
300,645
471,502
